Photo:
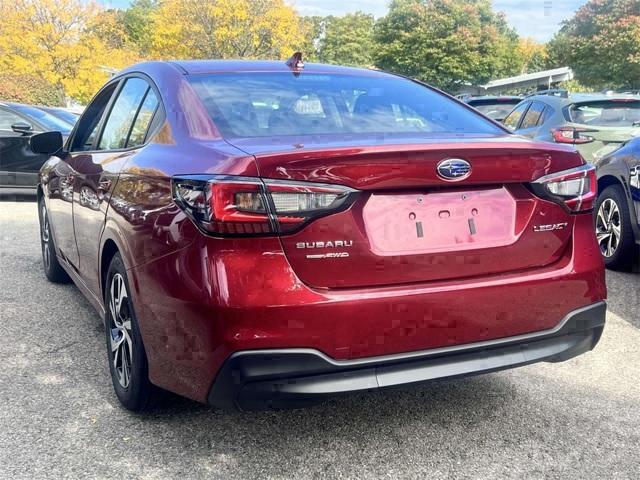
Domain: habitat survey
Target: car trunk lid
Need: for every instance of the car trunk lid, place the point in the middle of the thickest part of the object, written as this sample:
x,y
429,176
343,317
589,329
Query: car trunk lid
x,y
409,224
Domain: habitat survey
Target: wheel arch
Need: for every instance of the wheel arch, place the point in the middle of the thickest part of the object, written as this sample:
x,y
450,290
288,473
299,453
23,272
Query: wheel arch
x,y
607,181
610,179
112,242
109,250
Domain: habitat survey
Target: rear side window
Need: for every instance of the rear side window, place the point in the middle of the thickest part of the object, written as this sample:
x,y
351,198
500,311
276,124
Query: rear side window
x,y
267,104
608,113
546,115
122,115
514,117
532,117
496,109
143,119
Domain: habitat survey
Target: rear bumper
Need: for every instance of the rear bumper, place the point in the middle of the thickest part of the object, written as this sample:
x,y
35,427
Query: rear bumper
x,y
281,378
203,303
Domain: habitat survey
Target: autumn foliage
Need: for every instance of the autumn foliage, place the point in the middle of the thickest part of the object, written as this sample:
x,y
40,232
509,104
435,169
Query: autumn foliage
x,y
602,44
55,50
55,42
224,29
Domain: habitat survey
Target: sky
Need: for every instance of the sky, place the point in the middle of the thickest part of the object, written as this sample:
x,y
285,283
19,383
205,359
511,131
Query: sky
x,y
538,19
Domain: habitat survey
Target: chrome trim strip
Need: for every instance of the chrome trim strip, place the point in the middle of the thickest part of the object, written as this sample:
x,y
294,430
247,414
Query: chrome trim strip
x,y
582,168
423,353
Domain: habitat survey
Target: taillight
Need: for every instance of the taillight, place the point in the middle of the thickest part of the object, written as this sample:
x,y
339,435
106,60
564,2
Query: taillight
x,y
240,206
572,135
575,189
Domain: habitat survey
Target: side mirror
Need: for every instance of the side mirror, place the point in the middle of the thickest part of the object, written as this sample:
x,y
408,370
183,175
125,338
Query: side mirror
x,y
48,143
22,127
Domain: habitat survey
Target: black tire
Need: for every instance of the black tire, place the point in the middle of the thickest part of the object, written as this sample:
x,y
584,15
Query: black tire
x,y
132,385
614,232
52,268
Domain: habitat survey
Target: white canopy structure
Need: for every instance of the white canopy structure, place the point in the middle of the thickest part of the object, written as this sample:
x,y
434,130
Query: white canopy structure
x,y
545,78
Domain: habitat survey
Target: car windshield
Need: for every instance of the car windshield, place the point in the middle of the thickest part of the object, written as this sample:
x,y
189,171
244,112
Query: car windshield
x,y
272,104
48,121
610,113
496,111
65,115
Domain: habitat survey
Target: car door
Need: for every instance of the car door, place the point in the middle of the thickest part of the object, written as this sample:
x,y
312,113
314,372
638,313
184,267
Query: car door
x,y
530,123
19,166
634,177
59,183
122,131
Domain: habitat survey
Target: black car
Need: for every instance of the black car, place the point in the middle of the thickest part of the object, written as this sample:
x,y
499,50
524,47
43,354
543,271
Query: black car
x,y
496,108
19,166
617,212
62,113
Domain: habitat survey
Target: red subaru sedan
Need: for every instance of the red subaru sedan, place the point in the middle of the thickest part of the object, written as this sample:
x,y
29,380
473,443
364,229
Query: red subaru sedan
x,y
266,234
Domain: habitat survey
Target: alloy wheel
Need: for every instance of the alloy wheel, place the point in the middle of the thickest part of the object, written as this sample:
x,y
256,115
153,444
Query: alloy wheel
x,y
120,329
608,227
46,237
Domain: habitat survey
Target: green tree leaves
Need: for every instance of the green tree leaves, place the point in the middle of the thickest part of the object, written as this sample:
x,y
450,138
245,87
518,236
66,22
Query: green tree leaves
x,y
70,45
601,43
347,40
446,42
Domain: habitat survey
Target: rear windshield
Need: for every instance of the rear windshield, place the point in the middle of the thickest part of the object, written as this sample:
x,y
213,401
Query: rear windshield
x,y
273,104
611,113
495,109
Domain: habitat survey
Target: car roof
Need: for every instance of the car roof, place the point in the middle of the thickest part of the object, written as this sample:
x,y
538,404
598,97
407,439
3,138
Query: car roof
x,y
15,104
196,67
492,97
38,107
580,98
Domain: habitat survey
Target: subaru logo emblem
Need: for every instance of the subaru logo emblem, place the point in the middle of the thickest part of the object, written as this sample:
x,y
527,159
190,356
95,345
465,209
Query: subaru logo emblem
x,y
454,169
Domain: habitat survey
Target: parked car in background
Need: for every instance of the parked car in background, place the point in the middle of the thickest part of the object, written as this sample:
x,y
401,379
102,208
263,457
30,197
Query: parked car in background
x,y
617,218
63,113
264,234
19,165
494,107
595,124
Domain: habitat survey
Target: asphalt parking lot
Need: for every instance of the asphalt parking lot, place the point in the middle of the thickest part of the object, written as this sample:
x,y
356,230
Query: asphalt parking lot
x,y
60,419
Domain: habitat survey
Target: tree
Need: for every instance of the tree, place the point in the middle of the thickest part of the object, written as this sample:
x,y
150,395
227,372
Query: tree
x,y
347,40
601,43
59,42
313,30
225,29
138,23
446,42
533,56
29,89
575,86
110,29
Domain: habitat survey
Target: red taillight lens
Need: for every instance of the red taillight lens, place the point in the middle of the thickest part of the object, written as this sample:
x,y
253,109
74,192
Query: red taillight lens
x,y
226,205
238,207
572,135
575,189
